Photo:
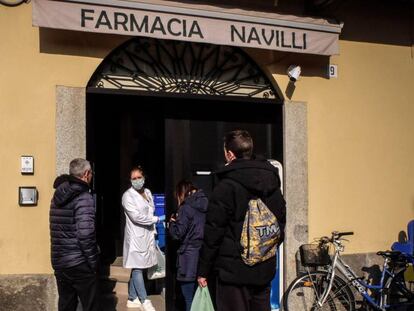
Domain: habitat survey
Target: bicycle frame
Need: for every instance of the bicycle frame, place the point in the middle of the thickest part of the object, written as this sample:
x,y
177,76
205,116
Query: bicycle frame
x,y
356,282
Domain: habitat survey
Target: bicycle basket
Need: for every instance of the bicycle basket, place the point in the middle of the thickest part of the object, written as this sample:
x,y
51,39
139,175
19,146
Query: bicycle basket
x,y
314,255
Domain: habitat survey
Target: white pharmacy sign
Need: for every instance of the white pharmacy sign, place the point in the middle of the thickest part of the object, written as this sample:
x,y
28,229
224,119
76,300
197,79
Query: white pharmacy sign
x,y
165,22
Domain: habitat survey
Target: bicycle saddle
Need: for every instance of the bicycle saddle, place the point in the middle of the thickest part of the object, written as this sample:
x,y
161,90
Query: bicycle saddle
x,y
389,254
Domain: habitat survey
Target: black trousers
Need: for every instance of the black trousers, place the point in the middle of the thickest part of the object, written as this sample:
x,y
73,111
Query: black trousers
x,y
230,297
79,281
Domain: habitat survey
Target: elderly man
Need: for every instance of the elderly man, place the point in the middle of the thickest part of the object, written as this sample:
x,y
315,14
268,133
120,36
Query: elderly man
x,y
74,250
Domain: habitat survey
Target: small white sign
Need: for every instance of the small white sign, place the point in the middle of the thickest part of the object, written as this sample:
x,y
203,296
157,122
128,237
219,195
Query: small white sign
x,y
333,71
27,165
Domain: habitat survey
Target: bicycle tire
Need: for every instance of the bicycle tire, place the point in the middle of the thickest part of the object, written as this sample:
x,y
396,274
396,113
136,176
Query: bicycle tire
x,y
303,292
397,295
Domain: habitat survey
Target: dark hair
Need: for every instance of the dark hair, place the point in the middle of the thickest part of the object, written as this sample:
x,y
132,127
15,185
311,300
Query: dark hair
x,y
240,143
184,187
137,168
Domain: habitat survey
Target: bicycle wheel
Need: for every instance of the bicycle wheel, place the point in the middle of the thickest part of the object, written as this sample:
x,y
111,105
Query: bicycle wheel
x,y
304,291
398,296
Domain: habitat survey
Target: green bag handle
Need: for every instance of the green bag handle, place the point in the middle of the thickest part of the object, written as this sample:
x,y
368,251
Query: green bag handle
x,y
202,300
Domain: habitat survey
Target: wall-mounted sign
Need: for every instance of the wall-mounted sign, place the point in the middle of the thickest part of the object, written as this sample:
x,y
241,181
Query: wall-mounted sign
x,y
333,71
28,196
162,20
26,165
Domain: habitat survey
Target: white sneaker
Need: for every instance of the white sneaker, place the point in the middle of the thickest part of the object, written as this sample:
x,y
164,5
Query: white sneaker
x,y
134,304
147,305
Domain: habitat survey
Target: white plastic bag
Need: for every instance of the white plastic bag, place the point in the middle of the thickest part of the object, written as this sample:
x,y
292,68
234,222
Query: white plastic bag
x,y
157,271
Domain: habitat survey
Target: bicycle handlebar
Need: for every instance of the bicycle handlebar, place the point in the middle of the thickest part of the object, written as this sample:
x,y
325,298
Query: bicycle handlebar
x,y
340,234
335,237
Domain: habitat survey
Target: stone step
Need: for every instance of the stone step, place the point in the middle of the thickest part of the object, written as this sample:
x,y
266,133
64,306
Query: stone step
x,y
115,289
118,261
121,288
119,273
114,295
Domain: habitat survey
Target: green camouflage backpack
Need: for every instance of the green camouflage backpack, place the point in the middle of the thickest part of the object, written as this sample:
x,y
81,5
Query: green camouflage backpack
x,y
260,235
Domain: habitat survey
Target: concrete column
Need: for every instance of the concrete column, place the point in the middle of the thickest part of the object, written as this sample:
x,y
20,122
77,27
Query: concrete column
x,y
296,184
70,126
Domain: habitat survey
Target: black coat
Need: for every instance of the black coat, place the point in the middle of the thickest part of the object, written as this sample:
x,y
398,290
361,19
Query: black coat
x,y
239,182
189,230
72,224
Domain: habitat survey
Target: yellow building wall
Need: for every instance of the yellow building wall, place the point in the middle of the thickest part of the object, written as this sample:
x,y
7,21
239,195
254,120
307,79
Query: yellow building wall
x,y
360,142
360,128
361,145
28,79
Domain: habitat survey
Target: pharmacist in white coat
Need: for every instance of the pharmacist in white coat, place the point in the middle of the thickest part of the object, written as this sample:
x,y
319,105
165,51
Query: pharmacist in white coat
x,y
139,241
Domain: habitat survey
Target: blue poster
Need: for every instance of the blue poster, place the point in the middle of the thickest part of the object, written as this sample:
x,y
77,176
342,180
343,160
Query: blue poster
x,y
275,291
159,202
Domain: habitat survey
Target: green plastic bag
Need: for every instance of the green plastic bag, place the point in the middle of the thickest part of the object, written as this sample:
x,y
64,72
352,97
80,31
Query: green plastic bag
x,y
202,300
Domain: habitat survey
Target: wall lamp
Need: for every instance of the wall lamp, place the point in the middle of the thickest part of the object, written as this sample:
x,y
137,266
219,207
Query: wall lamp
x,y
293,72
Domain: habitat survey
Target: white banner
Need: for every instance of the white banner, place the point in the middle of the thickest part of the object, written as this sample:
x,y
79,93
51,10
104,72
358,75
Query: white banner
x,y
162,25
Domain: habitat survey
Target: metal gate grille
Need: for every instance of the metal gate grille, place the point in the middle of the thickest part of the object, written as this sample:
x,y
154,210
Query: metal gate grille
x,y
146,64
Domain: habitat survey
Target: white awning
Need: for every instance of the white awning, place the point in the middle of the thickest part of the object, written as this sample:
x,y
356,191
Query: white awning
x,y
191,22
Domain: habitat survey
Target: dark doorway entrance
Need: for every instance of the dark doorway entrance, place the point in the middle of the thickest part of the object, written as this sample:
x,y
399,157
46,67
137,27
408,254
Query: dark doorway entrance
x,y
172,137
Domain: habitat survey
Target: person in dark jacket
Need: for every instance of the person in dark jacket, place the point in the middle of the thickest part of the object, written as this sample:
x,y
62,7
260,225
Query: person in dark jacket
x,y
188,228
74,250
239,286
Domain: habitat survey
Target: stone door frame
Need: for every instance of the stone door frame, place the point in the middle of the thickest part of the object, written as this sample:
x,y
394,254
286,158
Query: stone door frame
x,y
71,143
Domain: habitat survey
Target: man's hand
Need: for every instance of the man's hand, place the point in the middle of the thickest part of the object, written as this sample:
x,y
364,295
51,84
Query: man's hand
x,y
202,281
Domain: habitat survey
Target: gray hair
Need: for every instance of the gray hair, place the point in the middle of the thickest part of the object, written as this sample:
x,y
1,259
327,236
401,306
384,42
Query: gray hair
x,y
78,167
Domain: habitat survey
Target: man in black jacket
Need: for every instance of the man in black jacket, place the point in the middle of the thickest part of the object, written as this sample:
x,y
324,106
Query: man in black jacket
x,y
74,250
240,287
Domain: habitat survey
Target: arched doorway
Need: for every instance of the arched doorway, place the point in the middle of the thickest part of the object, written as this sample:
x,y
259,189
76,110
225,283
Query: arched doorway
x,y
150,65
166,106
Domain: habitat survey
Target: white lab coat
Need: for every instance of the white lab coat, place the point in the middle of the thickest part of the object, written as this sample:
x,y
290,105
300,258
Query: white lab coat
x,y
139,239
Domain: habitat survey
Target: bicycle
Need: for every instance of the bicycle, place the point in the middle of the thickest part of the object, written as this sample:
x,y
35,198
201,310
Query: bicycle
x,y
325,289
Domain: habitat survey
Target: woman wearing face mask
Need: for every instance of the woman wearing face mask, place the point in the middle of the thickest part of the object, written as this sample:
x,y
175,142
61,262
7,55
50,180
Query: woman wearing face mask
x,y
139,241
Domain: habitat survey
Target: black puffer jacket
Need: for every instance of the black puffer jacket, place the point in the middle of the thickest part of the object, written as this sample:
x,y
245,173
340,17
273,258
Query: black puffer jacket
x,y
240,181
72,224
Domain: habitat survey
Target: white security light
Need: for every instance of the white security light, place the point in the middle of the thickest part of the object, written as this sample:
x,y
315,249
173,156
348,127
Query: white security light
x,y
293,72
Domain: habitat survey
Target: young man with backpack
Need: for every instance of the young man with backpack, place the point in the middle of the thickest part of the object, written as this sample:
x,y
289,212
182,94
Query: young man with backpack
x,y
244,182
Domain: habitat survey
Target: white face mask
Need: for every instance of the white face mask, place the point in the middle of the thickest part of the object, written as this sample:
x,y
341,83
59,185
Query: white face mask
x,y
137,184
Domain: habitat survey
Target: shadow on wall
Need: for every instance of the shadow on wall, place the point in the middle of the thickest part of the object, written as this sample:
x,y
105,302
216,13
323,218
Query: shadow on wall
x,y
76,43
372,274
384,22
277,63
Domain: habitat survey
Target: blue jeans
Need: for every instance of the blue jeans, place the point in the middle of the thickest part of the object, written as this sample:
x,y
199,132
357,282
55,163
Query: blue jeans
x,y
188,289
136,287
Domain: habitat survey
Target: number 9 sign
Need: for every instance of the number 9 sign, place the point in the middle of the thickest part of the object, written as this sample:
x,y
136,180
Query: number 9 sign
x,y
333,71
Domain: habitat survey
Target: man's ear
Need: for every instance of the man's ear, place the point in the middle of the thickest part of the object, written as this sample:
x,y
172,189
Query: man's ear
x,y
230,155
86,175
